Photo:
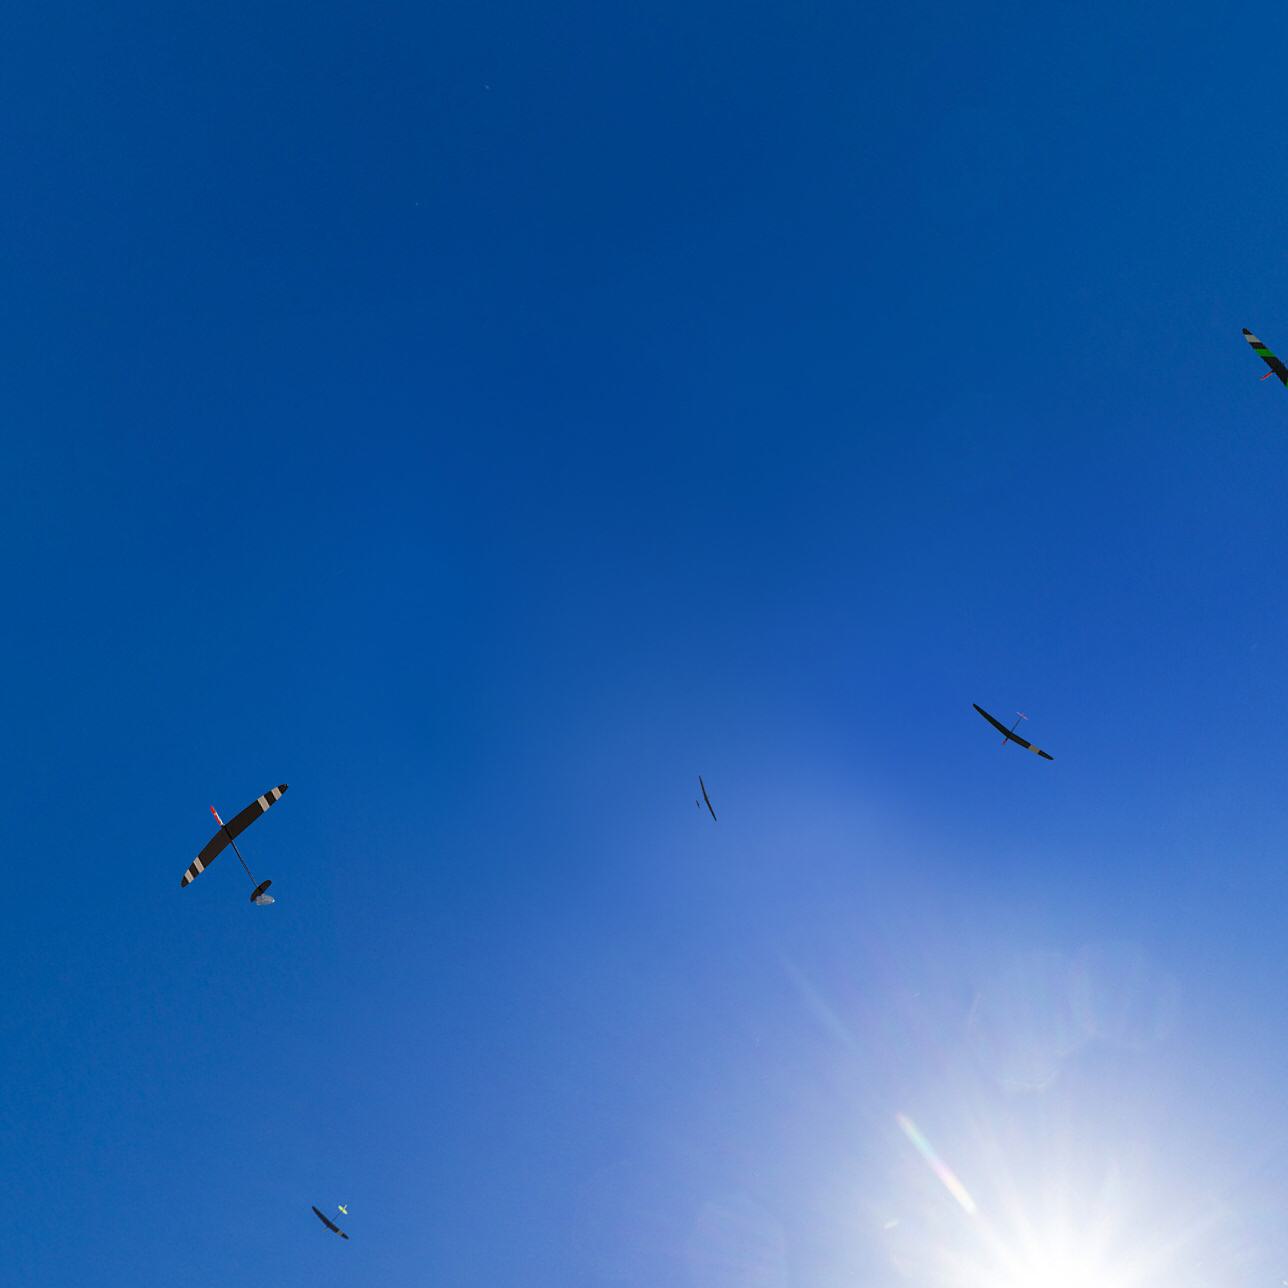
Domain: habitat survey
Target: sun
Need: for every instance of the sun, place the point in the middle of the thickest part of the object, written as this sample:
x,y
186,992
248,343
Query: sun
x,y
1059,1270
1056,1226
1056,1255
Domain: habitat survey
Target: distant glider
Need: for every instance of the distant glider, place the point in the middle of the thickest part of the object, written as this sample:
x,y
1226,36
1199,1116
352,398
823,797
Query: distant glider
x,y
1277,368
1009,735
706,798
331,1225
227,834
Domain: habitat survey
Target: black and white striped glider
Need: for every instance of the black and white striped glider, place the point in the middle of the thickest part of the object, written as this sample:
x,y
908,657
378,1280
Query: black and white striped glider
x,y
227,835
1009,735
331,1225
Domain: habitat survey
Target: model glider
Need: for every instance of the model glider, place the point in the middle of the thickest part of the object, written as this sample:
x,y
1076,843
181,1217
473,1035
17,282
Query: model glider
x,y
331,1225
1277,368
1009,735
706,798
227,835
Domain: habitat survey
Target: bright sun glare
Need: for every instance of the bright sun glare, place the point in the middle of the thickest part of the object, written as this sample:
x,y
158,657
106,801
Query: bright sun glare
x,y
1002,1232
1034,1258
1058,1271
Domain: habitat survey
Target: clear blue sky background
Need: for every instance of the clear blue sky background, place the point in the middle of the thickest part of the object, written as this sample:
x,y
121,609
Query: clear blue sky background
x,y
485,417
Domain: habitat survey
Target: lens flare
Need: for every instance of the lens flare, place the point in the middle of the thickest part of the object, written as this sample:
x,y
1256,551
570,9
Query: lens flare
x,y
936,1164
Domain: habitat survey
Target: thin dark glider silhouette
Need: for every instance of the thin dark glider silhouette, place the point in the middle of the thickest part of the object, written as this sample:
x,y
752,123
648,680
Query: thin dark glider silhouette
x,y
706,798
1009,735
331,1225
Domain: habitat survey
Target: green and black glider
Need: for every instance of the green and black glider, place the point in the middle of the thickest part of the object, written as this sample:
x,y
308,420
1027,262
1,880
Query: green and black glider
x,y
1009,735
227,835
1277,368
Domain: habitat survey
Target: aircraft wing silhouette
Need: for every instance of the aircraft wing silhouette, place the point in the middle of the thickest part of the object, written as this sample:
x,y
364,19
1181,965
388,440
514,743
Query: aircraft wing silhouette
x,y
707,798
1259,348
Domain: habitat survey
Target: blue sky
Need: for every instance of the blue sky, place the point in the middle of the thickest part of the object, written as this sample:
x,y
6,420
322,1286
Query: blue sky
x,y
486,417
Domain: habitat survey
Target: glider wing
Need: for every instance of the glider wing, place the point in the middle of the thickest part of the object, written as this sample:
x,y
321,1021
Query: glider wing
x,y
707,798
260,805
235,827
997,724
1028,746
330,1225
207,856
1266,356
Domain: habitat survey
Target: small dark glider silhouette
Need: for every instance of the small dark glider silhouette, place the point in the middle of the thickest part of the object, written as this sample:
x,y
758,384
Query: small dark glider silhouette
x,y
1277,368
1009,735
706,798
227,834
330,1225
